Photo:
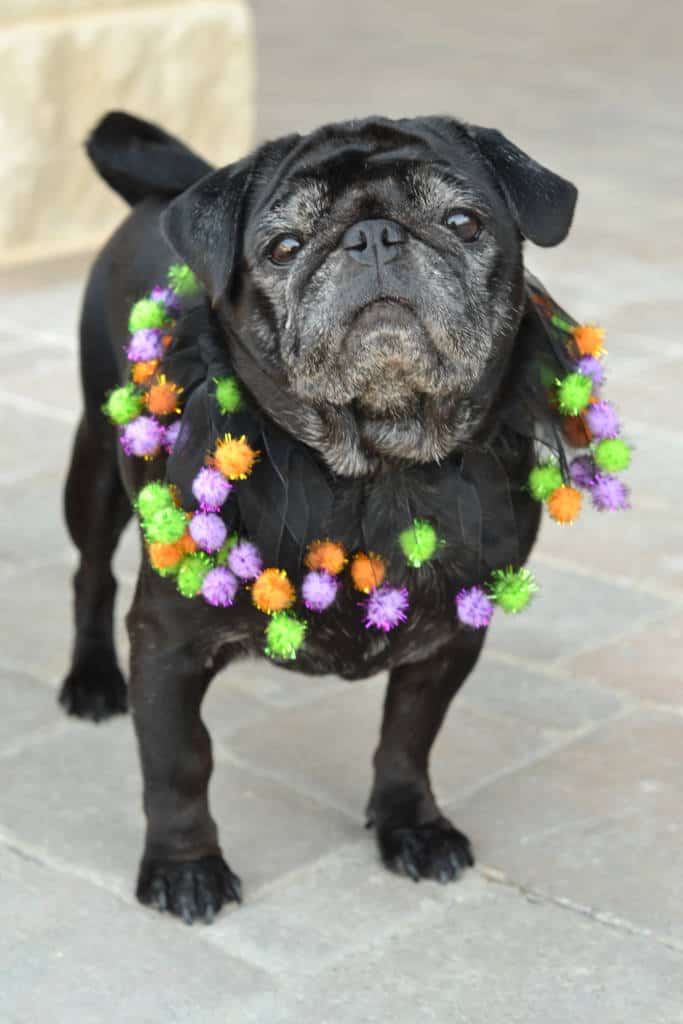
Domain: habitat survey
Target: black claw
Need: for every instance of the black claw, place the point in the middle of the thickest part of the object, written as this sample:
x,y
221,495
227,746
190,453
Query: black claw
x,y
435,850
233,888
193,891
159,898
455,863
410,867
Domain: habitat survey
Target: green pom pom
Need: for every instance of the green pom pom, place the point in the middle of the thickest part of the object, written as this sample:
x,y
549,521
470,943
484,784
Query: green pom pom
x,y
228,394
284,636
165,525
224,551
147,313
544,479
182,280
573,393
153,497
418,543
123,404
191,573
612,455
512,589
561,324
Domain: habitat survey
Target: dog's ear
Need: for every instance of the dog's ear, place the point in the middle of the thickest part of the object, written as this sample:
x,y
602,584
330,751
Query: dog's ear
x,y
204,225
541,202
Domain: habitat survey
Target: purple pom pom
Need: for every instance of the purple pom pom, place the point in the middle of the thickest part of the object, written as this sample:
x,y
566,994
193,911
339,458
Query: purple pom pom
x,y
211,489
601,420
219,587
208,531
474,607
386,607
609,494
171,436
145,345
583,471
143,437
591,367
245,561
319,590
169,298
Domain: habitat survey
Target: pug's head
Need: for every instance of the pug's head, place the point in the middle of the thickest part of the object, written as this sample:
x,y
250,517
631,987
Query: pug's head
x,y
369,278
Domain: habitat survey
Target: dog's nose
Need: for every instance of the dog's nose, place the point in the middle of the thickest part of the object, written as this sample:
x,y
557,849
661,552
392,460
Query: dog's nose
x,y
374,241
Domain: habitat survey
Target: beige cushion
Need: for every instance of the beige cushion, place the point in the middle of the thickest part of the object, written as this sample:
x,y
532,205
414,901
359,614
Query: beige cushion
x,y
185,65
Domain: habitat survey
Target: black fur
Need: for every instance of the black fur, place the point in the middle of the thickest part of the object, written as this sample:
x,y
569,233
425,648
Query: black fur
x,y
375,396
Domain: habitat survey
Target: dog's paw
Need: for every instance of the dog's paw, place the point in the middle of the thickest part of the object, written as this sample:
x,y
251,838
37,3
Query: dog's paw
x,y
194,890
95,689
435,850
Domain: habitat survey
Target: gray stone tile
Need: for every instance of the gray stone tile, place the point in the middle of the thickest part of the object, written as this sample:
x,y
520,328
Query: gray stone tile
x,y
344,902
228,708
35,609
652,398
31,442
556,704
45,299
77,798
571,612
647,663
655,472
49,377
650,324
77,953
326,747
280,687
482,954
597,823
27,709
640,546
32,525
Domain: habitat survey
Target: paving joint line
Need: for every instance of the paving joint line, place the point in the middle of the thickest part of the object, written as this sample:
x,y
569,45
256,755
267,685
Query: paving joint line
x,y
604,918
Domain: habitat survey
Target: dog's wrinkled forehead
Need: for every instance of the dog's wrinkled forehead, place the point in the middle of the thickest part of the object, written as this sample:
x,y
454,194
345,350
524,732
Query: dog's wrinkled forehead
x,y
383,161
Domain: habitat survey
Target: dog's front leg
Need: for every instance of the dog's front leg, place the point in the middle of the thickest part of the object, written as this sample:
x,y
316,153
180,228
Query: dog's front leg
x,y
413,835
182,868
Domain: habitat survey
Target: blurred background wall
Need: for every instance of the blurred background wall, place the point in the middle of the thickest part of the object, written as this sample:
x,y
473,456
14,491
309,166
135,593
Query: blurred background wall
x,y
63,63
590,88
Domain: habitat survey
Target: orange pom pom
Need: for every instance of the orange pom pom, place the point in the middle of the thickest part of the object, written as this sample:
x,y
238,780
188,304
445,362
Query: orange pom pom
x,y
326,556
564,504
367,571
165,556
234,457
576,431
272,591
142,372
588,339
162,397
187,545
166,340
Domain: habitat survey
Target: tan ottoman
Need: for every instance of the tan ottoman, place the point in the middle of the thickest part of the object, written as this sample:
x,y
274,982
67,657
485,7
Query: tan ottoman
x,y
187,65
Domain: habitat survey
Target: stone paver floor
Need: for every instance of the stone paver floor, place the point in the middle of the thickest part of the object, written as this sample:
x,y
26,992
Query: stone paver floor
x,y
562,759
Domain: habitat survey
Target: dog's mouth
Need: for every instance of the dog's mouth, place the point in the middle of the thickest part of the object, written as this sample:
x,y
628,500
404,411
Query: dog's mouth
x,y
391,357
385,311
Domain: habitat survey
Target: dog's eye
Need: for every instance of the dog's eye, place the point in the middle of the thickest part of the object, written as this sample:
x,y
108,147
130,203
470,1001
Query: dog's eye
x,y
465,224
284,249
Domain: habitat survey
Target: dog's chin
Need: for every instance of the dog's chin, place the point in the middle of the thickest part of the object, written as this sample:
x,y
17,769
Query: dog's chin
x,y
396,437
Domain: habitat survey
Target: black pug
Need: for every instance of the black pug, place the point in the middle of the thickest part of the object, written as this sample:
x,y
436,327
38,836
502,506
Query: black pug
x,y
366,285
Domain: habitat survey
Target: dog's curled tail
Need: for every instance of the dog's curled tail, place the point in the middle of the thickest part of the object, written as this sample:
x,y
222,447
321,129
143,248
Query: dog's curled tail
x,y
138,159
